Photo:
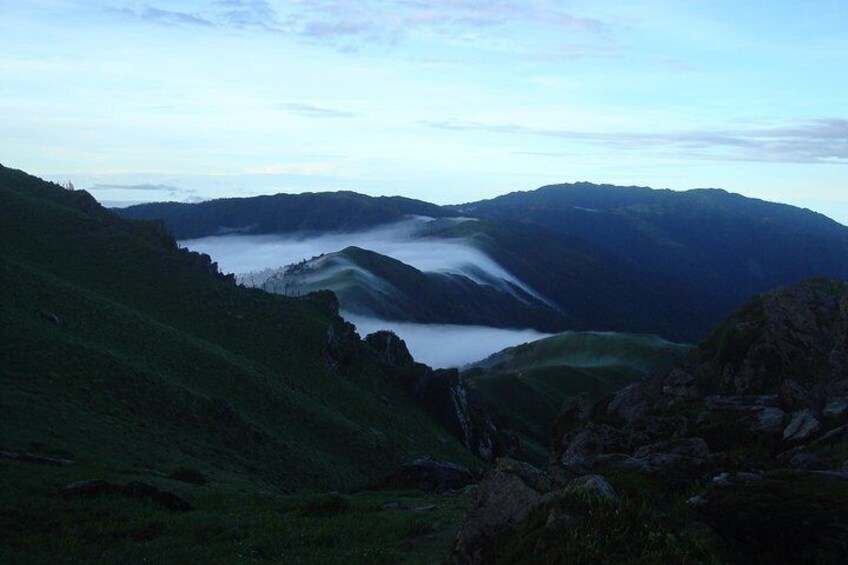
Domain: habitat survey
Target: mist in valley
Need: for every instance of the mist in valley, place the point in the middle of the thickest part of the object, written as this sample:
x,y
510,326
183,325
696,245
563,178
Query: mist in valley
x,y
438,345
405,241
447,345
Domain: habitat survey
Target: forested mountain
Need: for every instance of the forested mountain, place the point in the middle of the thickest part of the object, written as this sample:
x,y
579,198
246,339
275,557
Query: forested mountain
x,y
721,246
283,213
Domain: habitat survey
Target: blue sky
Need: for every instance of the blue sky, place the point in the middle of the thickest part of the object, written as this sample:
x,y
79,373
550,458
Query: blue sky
x,y
446,101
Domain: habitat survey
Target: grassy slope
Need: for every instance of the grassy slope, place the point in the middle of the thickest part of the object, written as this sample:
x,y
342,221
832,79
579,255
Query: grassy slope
x,y
371,284
228,525
156,366
527,384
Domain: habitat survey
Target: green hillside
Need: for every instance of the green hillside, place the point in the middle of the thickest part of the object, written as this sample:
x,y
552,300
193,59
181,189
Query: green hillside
x,y
129,357
525,386
371,284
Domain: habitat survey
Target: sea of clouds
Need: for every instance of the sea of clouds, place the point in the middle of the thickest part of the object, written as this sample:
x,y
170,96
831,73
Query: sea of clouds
x,y
438,345
447,345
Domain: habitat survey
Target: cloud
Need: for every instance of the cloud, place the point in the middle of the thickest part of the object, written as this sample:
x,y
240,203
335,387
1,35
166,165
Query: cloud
x,y
171,191
144,187
248,14
347,24
303,169
823,141
165,17
391,21
310,111
447,345
403,241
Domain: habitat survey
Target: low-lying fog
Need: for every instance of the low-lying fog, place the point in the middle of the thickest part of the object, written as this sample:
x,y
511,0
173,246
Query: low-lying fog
x,y
434,344
445,345
241,254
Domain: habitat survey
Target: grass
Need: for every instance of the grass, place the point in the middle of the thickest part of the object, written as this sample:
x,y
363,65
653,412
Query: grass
x,y
525,386
122,353
629,531
228,525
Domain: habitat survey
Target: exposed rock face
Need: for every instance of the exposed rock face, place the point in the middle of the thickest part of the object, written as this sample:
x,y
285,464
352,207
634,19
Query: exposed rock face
x,y
767,391
442,392
390,348
797,334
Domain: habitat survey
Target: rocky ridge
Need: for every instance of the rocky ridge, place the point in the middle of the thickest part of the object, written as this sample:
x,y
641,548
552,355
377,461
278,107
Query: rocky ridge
x,y
749,436
442,392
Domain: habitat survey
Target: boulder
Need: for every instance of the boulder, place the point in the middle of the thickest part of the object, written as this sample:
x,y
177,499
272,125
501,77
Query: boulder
x,y
674,459
630,403
593,485
836,409
757,415
679,386
504,499
592,443
802,425
429,475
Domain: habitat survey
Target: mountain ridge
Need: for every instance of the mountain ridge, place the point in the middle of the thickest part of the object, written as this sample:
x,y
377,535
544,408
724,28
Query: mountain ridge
x,y
630,259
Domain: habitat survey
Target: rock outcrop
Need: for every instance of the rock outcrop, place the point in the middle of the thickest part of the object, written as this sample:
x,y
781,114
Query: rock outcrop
x,y
442,392
759,413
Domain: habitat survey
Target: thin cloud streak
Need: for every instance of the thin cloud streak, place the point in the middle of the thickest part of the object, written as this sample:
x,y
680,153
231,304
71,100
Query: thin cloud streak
x,y
310,111
160,16
142,187
821,141
379,21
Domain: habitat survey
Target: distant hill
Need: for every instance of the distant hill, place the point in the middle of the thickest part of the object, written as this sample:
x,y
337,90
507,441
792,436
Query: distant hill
x,y
283,213
722,247
524,387
595,290
611,258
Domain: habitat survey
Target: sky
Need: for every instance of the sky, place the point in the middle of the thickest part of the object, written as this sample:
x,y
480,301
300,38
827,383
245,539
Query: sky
x,y
448,101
